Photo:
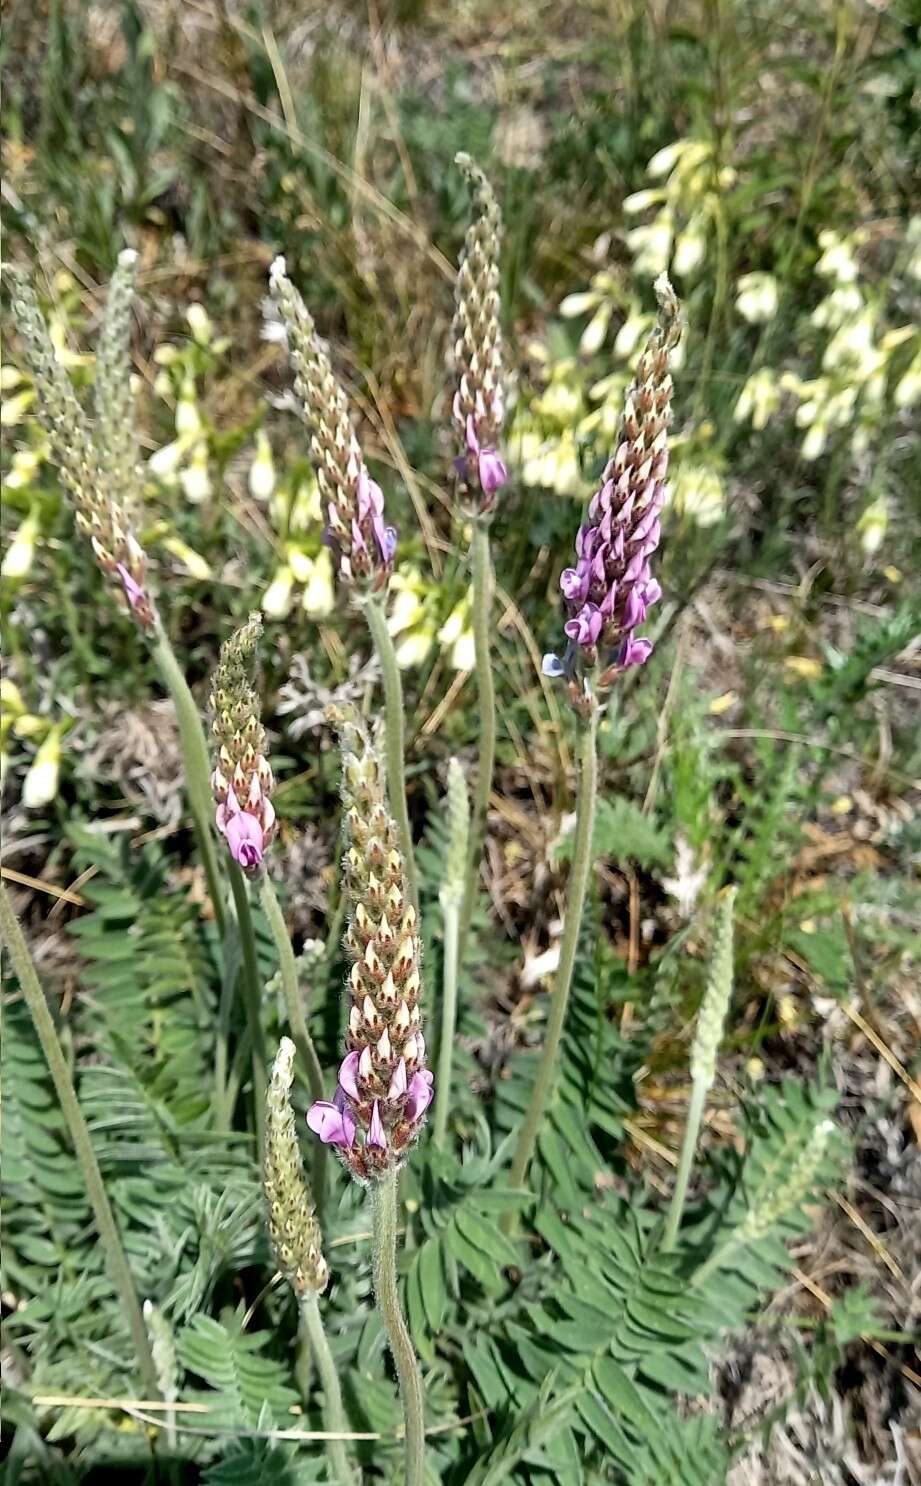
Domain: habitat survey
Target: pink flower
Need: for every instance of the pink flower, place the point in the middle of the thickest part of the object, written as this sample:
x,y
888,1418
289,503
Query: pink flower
x,y
334,1126
134,593
242,831
348,1074
491,470
419,1095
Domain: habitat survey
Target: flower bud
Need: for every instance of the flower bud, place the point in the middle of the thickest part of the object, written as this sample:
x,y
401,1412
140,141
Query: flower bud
x,y
294,1232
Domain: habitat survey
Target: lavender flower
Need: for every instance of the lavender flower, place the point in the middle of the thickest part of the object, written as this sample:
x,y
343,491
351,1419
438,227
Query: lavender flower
x,y
479,402
242,780
356,530
384,1087
611,589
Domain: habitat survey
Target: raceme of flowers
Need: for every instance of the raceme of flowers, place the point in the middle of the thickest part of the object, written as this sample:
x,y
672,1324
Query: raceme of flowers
x,y
610,590
384,1087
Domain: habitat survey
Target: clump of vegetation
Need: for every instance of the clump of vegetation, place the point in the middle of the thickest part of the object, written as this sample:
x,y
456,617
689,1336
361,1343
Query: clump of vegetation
x,y
609,848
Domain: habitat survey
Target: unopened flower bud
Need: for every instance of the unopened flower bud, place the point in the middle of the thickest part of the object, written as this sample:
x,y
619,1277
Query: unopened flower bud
x,y
294,1232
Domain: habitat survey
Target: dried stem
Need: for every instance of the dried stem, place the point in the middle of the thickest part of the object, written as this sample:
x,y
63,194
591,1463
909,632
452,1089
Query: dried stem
x,y
119,1270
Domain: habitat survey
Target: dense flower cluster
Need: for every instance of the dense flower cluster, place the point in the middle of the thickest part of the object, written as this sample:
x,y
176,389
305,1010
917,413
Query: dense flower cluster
x,y
384,1087
242,779
294,1232
95,465
356,530
610,590
479,401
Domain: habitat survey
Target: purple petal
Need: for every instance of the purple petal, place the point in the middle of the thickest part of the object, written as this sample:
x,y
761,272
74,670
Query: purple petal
x,y
419,1096
334,1126
348,1074
398,1081
376,1134
491,470
634,652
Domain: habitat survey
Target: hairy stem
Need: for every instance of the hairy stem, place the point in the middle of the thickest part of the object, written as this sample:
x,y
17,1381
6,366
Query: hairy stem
x,y
448,1018
575,903
197,770
333,1412
688,1148
297,1022
486,694
394,736
384,1211
43,1021
252,998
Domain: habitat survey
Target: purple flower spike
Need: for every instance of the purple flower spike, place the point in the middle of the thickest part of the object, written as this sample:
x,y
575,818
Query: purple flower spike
x,y
610,590
376,1134
334,1126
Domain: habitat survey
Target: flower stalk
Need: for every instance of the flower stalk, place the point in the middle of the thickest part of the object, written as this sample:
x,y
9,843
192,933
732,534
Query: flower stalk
x,y
486,743
119,1270
409,1378
479,412
297,1021
294,1235
580,872
196,769
451,898
708,1034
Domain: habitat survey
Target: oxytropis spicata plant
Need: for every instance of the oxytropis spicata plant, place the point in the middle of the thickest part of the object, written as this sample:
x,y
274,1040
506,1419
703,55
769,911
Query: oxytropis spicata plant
x,y
479,413
364,545
384,1087
242,784
607,596
98,465
297,1243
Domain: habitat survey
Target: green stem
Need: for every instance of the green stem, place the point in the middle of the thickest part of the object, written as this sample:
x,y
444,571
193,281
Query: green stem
x,y
448,1018
43,1021
486,696
197,769
384,1214
575,904
393,735
688,1148
333,1412
252,997
297,1022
